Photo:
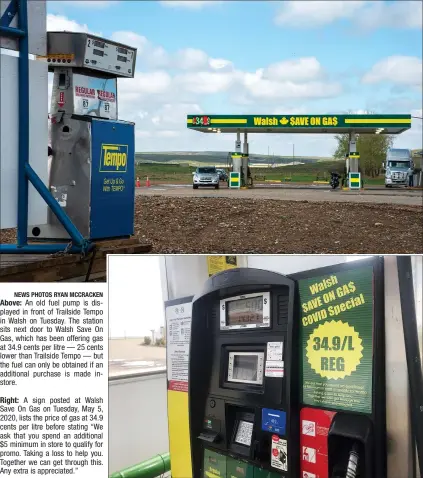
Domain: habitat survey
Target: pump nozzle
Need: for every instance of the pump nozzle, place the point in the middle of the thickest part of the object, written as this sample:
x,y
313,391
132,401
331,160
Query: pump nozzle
x,y
352,462
352,467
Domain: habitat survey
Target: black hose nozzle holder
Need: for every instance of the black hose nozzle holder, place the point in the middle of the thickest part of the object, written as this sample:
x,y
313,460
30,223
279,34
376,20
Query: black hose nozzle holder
x,y
350,446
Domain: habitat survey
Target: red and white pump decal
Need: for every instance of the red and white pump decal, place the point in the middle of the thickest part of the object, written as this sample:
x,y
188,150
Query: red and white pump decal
x,y
315,424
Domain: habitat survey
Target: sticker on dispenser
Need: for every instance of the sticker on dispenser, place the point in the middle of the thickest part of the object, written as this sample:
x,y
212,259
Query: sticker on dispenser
x,y
274,351
309,454
279,456
273,421
274,368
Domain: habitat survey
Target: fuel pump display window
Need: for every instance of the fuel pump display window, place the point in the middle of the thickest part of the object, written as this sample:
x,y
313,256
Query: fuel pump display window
x,y
246,367
245,311
244,433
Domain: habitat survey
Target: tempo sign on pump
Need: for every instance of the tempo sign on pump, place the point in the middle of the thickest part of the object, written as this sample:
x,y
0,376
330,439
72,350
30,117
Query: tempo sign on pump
x,y
282,378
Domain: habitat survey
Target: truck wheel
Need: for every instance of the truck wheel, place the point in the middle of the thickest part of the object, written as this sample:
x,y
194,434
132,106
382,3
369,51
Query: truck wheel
x,y
216,187
194,186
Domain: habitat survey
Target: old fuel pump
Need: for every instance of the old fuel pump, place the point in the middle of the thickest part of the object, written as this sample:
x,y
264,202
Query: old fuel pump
x,y
91,173
286,374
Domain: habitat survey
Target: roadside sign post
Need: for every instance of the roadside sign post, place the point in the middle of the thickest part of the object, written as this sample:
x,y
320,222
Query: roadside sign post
x,y
234,180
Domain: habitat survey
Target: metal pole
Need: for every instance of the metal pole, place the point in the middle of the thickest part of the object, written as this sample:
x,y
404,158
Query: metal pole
x,y
412,350
23,122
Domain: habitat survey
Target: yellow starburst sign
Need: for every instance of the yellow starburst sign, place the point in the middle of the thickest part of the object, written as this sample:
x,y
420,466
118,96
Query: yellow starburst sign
x,y
334,350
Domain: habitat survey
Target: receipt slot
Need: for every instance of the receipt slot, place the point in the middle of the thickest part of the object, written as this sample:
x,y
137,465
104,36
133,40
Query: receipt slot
x,y
243,380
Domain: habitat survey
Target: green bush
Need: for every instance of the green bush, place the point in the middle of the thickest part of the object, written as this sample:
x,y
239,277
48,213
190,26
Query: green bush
x,y
147,340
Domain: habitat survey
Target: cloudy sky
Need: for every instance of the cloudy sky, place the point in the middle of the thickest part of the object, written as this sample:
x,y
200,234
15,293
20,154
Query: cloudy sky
x,y
246,57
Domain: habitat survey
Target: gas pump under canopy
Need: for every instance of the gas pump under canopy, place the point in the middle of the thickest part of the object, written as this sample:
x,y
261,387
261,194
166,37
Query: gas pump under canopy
x,y
92,168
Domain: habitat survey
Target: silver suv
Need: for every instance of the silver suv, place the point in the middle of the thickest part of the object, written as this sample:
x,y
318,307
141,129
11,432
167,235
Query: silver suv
x,y
205,176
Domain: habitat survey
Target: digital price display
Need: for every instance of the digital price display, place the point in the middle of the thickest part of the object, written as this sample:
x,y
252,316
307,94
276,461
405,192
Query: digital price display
x,y
98,52
122,58
245,311
124,51
98,44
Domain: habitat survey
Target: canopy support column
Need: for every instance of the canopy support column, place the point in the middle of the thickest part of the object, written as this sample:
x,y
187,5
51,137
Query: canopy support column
x,y
352,148
245,160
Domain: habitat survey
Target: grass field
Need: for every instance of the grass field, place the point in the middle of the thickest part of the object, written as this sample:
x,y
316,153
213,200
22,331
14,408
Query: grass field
x,y
302,173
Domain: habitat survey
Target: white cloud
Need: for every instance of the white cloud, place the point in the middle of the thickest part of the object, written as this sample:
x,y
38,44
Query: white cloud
x,y
149,83
189,4
302,69
404,70
274,90
191,59
286,110
147,53
315,13
139,133
290,79
399,14
175,114
220,64
167,134
204,82
366,14
57,23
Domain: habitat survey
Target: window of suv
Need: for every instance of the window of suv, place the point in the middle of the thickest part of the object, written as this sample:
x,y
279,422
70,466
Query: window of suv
x,y
206,170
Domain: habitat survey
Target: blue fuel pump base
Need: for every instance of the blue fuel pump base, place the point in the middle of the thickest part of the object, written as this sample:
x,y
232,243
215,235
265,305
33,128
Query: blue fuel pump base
x,y
25,172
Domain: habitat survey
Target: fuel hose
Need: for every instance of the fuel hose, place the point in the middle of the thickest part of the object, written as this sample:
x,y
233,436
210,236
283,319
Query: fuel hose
x,y
352,463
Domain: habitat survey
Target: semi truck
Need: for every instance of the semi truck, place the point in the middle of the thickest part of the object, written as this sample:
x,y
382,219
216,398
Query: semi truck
x,y
398,168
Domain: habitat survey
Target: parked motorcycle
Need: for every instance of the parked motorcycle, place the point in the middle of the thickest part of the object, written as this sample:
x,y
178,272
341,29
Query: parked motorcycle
x,y
334,180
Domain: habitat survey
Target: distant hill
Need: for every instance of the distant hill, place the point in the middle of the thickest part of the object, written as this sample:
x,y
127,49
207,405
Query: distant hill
x,y
219,157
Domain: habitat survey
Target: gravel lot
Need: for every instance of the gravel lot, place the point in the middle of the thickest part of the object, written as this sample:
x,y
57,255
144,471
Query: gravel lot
x,y
256,225
225,225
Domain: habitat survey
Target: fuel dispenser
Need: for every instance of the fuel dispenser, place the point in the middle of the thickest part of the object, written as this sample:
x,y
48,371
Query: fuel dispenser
x,y
91,172
239,164
286,374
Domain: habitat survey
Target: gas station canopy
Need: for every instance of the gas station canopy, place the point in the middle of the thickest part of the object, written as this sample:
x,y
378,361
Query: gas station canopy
x,y
332,124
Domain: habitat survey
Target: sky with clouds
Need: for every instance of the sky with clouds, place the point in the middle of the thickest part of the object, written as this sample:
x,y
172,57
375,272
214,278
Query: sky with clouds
x,y
257,57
